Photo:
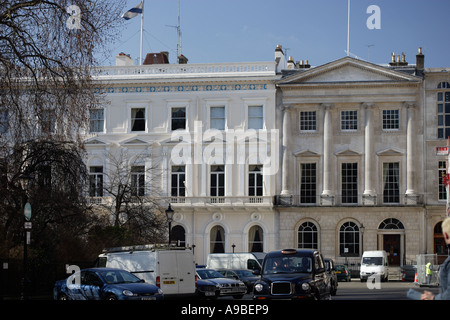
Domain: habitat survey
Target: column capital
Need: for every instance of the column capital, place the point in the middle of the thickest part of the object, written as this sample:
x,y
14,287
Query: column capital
x,y
286,108
409,104
368,105
327,106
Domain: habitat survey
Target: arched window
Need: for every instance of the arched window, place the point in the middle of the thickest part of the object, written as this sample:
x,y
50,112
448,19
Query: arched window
x,y
438,239
179,235
307,236
391,223
256,239
349,240
217,240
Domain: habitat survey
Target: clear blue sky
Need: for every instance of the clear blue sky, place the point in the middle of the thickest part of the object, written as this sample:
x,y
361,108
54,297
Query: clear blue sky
x,y
316,30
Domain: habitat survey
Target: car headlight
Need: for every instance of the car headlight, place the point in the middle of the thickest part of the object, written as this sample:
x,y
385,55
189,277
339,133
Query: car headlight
x,y
306,287
259,287
128,293
160,291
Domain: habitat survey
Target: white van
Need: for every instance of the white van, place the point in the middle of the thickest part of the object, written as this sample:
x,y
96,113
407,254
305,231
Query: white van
x,y
172,270
374,263
241,260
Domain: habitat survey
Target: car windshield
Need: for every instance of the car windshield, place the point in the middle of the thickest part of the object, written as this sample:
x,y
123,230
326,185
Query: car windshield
x,y
244,273
340,268
291,264
118,276
375,261
208,274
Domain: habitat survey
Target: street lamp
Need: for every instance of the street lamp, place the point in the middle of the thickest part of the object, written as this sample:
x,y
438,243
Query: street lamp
x,y
169,215
25,179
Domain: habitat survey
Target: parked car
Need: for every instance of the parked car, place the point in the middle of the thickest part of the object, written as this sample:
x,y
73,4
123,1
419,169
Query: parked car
x,y
408,272
331,271
245,275
227,287
105,284
292,274
207,289
343,273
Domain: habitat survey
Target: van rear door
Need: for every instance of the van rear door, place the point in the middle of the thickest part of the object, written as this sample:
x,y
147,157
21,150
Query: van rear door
x,y
177,272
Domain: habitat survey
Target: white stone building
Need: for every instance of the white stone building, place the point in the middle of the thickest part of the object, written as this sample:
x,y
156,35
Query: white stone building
x,y
201,137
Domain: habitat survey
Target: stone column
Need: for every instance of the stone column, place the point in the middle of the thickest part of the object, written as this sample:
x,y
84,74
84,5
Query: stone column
x,y
411,195
369,195
327,196
287,169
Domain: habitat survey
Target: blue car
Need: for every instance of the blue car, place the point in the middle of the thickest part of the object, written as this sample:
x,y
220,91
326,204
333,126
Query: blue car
x,y
105,284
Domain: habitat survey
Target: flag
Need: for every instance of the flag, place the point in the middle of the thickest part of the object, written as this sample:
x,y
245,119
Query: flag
x,y
133,12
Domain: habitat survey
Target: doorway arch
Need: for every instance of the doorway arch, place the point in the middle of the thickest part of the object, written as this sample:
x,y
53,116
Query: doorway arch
x,y
391,238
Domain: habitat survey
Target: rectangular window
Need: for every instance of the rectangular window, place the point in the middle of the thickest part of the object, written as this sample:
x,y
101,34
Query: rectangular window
x,y
391,182
308,183
443,115
349,172
217,118
96,181
442,173
255,180
255,117
138,119
96,120
391,120
308,121
349,120
178,180
217,188
138,180
179,118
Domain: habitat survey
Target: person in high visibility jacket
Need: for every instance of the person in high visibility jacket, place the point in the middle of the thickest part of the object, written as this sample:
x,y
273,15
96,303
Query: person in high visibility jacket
x,y
429,272
444,291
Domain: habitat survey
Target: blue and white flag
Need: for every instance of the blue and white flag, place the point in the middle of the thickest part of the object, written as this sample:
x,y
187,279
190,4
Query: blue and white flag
x,y
133,12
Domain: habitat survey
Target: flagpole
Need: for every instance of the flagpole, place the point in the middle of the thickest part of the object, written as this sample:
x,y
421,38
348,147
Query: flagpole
x,y
348,30
142,31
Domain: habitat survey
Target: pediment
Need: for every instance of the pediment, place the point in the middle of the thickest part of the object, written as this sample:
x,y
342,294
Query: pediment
x,y
94,141
134,141
348,153
306,153
390,152
347,70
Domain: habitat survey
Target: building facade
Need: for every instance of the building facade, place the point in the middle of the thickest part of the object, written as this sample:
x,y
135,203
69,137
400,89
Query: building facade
x,y
268,155
359,164
201,137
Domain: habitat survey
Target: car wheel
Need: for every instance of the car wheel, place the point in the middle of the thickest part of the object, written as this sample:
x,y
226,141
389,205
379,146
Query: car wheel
x,y
62,296
111,297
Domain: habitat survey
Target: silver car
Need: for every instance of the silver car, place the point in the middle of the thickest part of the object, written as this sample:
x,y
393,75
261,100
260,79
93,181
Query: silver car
x,y
227,287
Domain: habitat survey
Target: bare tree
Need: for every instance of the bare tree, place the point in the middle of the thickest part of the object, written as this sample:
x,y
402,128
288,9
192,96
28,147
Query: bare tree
x,y
134,196
47,51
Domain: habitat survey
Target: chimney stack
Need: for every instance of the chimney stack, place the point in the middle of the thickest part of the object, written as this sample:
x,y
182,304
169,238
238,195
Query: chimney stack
x,y
124,60
420,60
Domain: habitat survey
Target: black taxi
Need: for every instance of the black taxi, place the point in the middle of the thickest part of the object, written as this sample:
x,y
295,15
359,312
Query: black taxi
x,y
292,274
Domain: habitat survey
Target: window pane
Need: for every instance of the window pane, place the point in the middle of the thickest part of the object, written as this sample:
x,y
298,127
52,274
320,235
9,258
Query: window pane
x,y
138,119
178,118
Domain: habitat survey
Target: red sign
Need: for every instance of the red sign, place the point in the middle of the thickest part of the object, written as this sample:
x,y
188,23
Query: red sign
x,y
442,151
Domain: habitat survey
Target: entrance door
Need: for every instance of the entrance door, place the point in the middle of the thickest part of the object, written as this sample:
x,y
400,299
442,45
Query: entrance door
x,y
391,244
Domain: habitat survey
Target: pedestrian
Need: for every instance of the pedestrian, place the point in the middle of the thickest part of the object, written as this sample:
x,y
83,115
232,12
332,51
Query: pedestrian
x,y
444,292
429,272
